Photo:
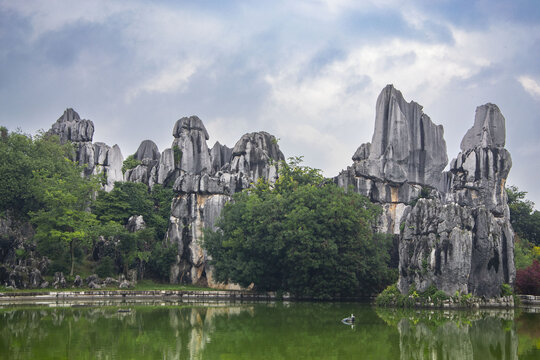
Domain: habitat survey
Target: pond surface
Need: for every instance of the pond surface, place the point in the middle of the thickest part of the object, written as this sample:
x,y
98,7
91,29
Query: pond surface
x,y
262,331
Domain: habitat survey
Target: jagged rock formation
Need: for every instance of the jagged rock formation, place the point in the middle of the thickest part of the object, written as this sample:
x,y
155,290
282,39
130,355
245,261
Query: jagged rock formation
x,y
453,227
149,156
98,158
204,180
407,152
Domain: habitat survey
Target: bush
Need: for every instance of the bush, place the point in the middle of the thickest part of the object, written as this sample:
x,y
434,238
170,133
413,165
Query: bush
x,y
130,163
528,279
389,296
506,290
105,267
161,260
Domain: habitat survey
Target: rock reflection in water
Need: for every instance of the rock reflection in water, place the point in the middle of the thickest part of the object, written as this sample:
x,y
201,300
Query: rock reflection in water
x,y
166,332
436,335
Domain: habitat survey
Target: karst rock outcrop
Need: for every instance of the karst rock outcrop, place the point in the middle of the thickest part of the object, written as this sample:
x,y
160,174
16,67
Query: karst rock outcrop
x,y
204,181
453,227
98,157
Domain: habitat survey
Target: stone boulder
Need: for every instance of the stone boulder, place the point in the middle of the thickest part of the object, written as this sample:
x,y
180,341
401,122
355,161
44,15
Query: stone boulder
x,y
59,280
135,223
147,150
78,282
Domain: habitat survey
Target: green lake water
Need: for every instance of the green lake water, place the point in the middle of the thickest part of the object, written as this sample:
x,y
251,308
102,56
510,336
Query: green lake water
x,y
262,331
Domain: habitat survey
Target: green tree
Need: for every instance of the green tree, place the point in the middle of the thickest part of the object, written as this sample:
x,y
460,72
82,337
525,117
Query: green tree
x,y
302,234
64,196
128,199
21,157
524,218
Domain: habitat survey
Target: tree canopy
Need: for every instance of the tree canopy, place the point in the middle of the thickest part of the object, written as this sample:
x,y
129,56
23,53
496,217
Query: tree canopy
x,y
303,235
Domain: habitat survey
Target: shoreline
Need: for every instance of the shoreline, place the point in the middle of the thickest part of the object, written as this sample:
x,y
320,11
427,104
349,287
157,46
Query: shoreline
x,y
8,297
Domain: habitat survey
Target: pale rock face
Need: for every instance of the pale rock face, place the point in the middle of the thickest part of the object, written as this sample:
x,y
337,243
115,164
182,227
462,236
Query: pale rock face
x,y
70,127
253,153
146,172
190,138
221,155
406,145
457,238
472,224
147,150
166,167
98,158
136,223
489,129
204,180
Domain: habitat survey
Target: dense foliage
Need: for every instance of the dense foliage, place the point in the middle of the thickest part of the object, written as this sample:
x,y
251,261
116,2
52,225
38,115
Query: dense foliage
x,y
525,221
528,279
77,226
524,218
302,235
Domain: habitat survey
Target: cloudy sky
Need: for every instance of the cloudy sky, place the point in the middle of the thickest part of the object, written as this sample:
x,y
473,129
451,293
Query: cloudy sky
x,y
307,71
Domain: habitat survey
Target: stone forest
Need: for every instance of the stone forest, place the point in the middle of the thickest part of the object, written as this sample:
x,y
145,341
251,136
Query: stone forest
x,y
451,229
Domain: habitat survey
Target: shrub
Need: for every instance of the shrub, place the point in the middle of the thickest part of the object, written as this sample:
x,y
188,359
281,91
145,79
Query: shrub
x,y
130,163
105,267
528,279
506,290
389,296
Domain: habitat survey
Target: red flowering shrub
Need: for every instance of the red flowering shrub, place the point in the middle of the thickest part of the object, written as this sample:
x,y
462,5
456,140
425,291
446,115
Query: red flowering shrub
x,y
528,279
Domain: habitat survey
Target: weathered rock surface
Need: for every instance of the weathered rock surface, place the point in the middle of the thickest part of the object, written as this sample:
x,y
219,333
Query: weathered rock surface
x,y
453,227
407,151
70,127
406,146
21,267
135,223
204,180
147,172
59,280
97,158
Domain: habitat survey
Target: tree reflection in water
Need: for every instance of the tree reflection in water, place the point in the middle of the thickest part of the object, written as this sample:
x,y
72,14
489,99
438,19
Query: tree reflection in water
x,y
263,331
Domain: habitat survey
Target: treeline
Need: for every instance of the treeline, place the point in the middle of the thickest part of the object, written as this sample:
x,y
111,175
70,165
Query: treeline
x,y
526,224
78,227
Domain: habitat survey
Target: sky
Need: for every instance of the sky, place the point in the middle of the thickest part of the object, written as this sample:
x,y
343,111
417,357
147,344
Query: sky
x,y
307,71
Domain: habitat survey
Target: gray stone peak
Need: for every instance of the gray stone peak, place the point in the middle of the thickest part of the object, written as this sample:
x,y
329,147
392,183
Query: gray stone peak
x,y
489,129
69,115
70,127
406,145
147,150
262,141
189,124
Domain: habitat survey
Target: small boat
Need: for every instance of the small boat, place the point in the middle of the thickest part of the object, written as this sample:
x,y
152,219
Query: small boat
x,y
348,320
124,310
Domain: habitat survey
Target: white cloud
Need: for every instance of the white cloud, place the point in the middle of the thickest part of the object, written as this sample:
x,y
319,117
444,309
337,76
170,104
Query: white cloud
x,y
530,85
174,78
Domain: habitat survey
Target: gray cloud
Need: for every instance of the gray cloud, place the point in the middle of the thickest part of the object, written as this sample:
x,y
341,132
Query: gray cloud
x,y
307,71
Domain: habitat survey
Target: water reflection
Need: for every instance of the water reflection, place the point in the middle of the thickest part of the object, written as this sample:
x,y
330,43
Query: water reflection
x,y
485,335
166,332
163,330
